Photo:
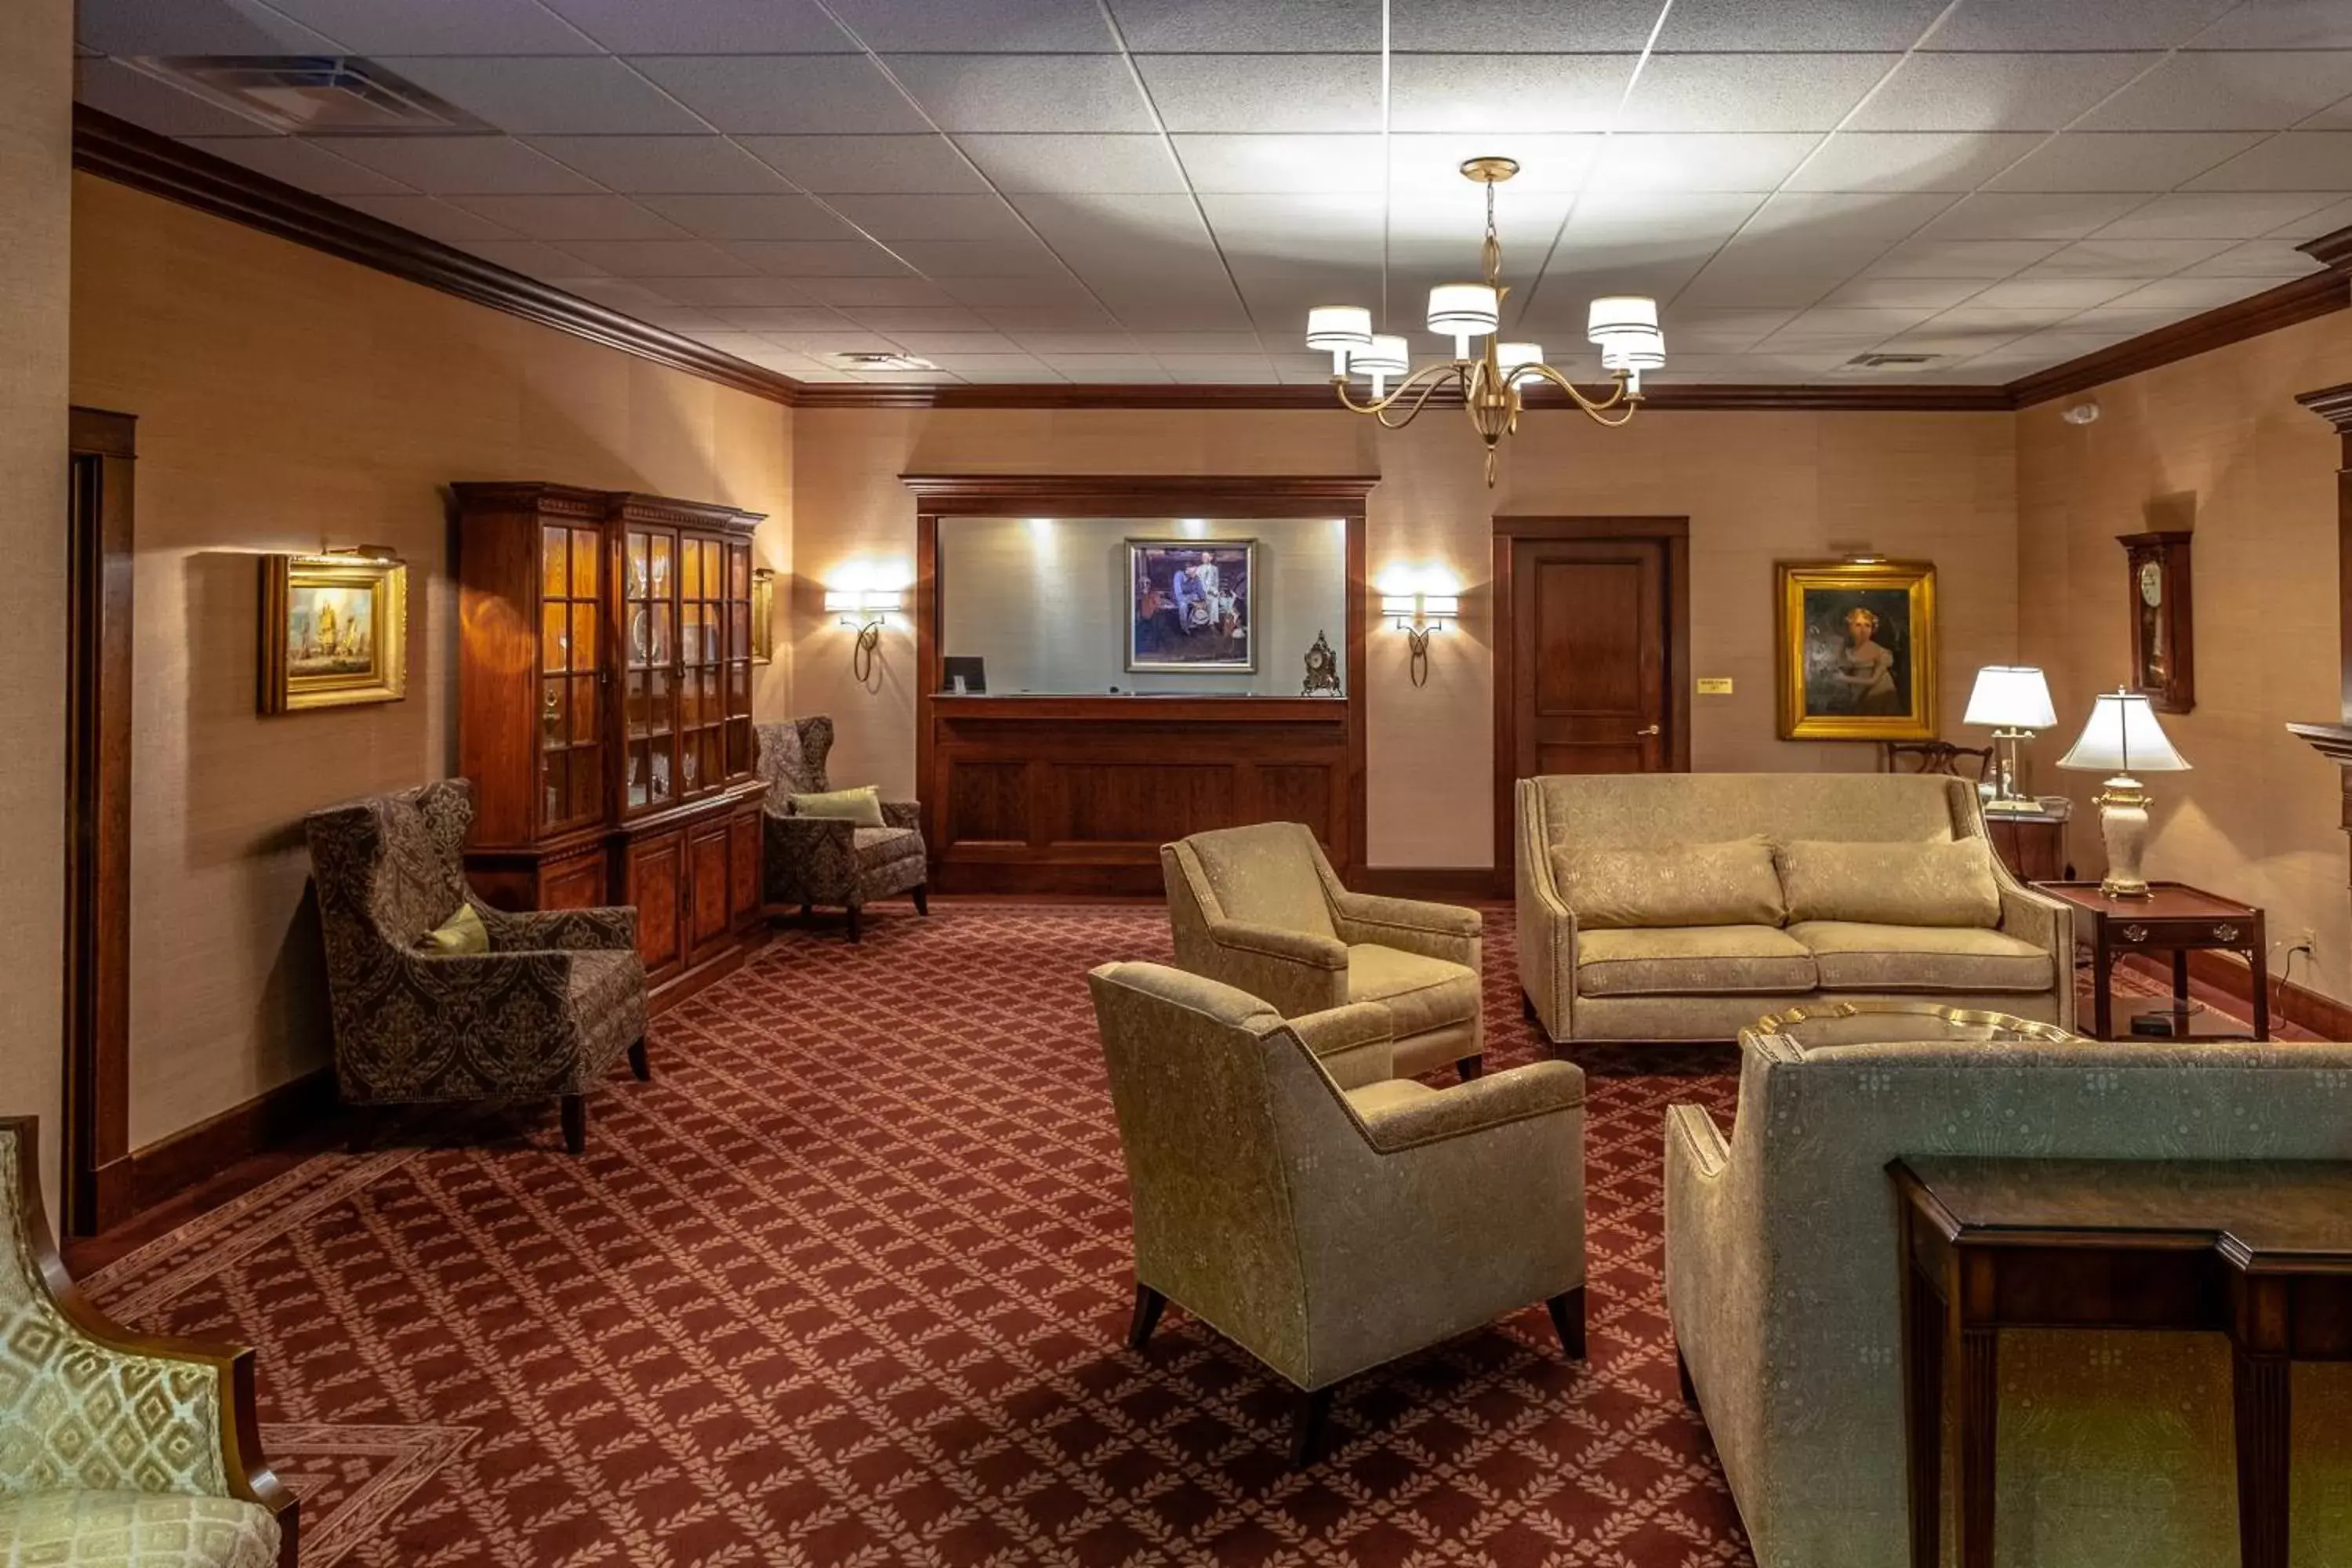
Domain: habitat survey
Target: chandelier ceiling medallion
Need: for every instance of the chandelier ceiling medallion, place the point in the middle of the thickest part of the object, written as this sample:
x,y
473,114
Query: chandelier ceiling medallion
x,y
1625,326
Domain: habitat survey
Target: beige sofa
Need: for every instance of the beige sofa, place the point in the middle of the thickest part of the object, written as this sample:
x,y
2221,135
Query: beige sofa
x,y
2114,1448
1686,905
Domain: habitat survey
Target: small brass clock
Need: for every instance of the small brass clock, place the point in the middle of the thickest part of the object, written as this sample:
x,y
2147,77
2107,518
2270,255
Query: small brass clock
x,y
1322,669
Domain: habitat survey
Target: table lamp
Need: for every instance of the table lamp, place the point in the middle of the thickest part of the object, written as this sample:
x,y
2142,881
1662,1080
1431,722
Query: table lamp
x,y
2121,739
2014,700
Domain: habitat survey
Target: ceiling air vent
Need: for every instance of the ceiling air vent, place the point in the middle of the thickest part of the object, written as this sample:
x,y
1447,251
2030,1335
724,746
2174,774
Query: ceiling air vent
x,y
1890,362
312,95
875,360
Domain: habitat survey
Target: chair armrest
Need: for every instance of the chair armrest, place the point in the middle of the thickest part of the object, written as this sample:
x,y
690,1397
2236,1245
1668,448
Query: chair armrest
x,y
1295,972
549,931
1434,930
1539,1088
1353,1042
902,814
1693,1132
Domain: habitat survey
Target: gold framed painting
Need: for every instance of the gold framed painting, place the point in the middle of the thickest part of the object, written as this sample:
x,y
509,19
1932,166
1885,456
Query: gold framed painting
x,y
1856,650
334,631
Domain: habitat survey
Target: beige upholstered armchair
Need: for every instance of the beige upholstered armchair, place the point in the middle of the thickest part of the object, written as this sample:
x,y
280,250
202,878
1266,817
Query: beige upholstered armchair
x,y
813,860
1325,1216
544,1014
1260,909
117,1449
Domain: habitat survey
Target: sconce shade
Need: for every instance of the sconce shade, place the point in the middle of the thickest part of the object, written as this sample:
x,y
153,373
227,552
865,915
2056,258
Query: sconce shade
x,y
1617,315
862,601
1339,327
1387,355
2010,697
2123,737
1409,610
1463,309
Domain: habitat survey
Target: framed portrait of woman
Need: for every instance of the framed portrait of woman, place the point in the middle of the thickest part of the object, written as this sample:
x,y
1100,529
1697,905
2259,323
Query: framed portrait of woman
x,y
1856,650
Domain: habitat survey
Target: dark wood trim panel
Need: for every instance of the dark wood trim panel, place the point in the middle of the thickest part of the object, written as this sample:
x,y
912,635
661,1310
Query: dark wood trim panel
x,y
271,1120
2333,739
1437,884
2318,294
1674,534
101,552
1140,495
2299,1004
1318,399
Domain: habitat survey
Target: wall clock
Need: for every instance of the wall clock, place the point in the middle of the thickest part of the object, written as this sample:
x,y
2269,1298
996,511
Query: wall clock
x,y
2163,646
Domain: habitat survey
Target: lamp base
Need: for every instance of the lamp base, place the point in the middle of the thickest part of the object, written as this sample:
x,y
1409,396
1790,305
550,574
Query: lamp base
x,y
2122,822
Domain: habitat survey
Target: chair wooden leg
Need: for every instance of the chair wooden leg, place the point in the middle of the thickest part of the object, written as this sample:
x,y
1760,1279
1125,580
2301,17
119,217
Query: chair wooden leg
x,y
1527,1007
638,1064
853,932
1682,1372
808,913
1306,1427
575,1122
1470,1067
364,1125
1567,1310
922,898
1148,1304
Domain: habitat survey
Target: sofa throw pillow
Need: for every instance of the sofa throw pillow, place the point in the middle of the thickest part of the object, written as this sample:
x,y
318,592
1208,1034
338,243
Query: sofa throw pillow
x,y
1730,883
1896,884
461,934
862,805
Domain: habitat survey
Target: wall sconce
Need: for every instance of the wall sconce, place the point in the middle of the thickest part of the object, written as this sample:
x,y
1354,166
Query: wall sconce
x,y
1417,616
763,615
866,609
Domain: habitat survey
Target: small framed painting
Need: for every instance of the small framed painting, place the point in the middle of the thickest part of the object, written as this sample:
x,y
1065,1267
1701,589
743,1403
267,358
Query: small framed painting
x,y
1190,605
1856,650
334,631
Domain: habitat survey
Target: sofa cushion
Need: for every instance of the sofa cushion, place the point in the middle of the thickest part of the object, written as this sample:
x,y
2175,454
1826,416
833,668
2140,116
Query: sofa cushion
x,y
1891,883
135,1530
1859,956
1612,888
1691,960
1420,993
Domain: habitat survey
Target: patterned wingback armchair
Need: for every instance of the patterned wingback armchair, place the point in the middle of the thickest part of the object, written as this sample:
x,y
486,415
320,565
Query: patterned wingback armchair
x,y
813,860
560,997
118,1447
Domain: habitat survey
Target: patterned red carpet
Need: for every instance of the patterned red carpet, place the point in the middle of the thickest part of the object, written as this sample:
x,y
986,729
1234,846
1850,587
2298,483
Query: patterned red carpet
x,y
847,1284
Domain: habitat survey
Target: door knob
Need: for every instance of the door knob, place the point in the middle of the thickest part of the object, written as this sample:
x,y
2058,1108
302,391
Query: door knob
x,y
1648,730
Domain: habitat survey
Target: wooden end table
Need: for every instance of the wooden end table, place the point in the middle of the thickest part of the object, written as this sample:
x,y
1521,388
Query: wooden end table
x,y
2261,1250
2178,919
2032,843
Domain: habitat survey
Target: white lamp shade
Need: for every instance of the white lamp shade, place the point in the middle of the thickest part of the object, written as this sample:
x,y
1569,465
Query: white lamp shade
x,y
1403,609
1632,350
1339,327
1463,309
2010,697
862,601
1612,315
2123,737
1515,356
1385,355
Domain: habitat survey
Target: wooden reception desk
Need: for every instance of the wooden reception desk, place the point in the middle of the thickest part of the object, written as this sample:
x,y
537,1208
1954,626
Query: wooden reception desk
x,y
1076,795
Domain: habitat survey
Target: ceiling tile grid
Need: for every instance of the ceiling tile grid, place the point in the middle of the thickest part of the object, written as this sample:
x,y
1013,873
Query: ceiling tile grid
x,y
1155,190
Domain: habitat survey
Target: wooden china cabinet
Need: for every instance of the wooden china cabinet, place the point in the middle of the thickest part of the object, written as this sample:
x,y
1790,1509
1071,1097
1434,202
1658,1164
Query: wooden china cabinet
x,y
604,715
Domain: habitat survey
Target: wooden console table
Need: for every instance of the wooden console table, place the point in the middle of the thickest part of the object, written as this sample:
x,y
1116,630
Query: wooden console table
x,y
2174,918
2260,1250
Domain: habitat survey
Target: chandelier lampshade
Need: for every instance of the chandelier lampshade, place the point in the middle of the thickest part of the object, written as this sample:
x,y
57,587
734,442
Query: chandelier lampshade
x,y
1339,327
1386,355
1463,309
1633,350
1618,315
1515,358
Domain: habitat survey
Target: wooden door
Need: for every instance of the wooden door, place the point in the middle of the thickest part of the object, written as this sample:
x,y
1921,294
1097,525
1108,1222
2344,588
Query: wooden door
x,y
657,888
1588,656
710,923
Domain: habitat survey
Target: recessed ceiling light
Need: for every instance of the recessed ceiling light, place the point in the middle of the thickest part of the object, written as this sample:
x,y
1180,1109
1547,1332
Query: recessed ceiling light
x,y
870,360
314,95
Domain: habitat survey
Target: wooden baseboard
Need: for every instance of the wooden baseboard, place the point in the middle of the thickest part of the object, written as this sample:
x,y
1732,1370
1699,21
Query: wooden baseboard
x,y
2227,973
1441,884
165,1169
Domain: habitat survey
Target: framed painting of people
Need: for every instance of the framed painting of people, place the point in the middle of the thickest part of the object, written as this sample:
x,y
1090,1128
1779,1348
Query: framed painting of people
x,y
1856,650
1191,606
334,631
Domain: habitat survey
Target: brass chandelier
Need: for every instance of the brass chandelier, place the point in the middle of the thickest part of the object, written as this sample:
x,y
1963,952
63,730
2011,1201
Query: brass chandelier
x,y
1625,326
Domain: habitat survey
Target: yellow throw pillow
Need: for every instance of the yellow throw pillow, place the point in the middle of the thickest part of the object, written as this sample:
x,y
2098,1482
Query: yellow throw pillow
x,y
862,805
1725,884
462,932
1894,884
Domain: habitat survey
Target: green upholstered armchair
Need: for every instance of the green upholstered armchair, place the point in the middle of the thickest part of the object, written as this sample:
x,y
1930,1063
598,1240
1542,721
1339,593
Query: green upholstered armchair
x,y
1322,1214
558,998
117,1449
1260,907
813,860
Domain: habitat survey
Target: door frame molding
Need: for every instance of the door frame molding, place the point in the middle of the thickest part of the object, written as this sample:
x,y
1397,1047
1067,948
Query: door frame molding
x,y
1673,535
101,448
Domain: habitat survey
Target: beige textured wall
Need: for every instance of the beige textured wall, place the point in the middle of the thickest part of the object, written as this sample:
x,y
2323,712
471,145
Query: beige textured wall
x,y
287,400
2218,439
1756,488
35,162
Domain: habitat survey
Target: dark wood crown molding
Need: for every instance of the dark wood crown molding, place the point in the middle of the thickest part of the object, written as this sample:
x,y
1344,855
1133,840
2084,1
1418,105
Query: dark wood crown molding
x,y
2305,298
1140,495
2333,403
1317,398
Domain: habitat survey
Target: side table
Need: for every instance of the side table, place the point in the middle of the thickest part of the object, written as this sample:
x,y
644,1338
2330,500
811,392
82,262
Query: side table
x,y
2032,843
2178,919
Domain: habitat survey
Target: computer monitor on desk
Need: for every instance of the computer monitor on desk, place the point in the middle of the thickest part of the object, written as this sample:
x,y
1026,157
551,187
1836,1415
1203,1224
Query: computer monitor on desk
x,y
965,676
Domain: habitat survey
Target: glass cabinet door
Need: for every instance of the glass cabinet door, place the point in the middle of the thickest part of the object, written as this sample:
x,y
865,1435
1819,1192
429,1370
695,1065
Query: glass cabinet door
x,y
649,675
571,748
703,659
738,659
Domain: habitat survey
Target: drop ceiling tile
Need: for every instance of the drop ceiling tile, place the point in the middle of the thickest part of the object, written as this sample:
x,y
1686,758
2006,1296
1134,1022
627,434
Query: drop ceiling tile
x,y
1075,164
728,342
2216,214
2327,220
464,166
1713,331
2298,160
847,293
218,27
684,165
1219,372
1135,225
705,27
1238,93
817,257
658,258
1911,159
1349,164
113,88
1552,163
680,318
892,216
1993,91
1700,162
2123,161
1074,315
1227,344
1001,27
1097,367
773,319
1497,94
1749,92
1251,27
2203,293
771,216
1988,258
931,343
780,94
1024,92
579,95
2255,258
1555,303
987,291
2133,320
2075,24
1722,25
818,344
1936,293
2100,257
2280,24
1875,323
428,216
1992,215
1840,217
528,257
2245,90
298,162
985,367
896,319
1777,272
1050,346
915,164
620,293
1644,217
732,292
1960,342
1020,259
573,217
2045,292
440,26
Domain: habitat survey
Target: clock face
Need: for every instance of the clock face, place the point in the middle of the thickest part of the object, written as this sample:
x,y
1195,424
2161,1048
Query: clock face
x,y
1317,659
2151,584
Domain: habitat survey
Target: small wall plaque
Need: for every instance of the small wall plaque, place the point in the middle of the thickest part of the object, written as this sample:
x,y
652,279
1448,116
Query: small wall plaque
x,y
1715,686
